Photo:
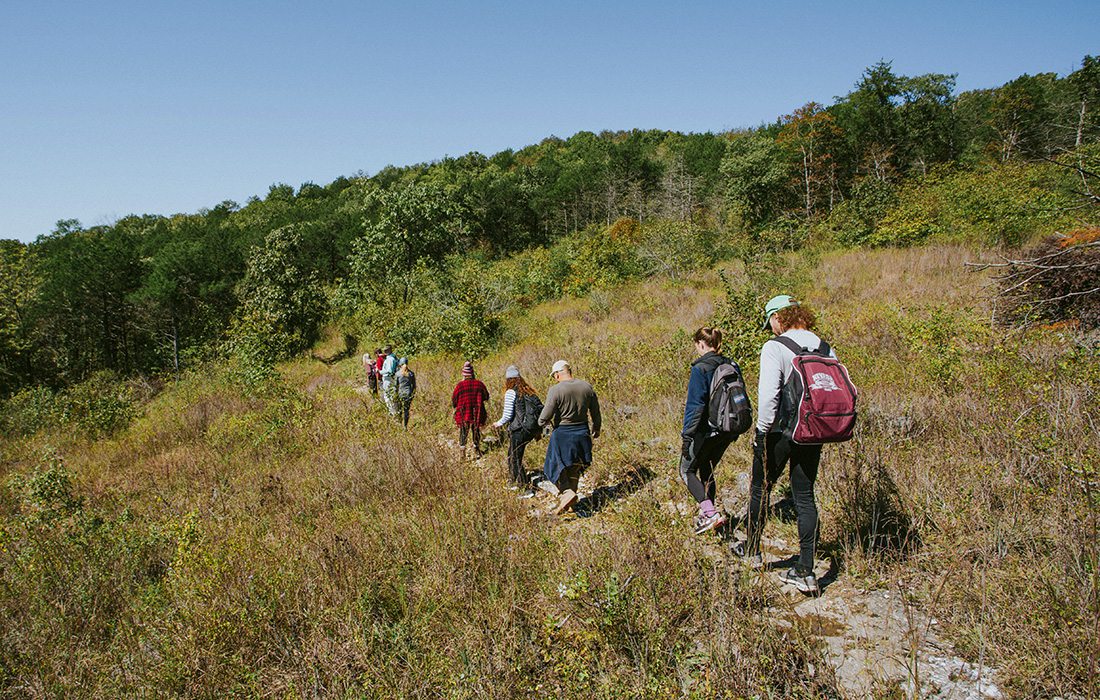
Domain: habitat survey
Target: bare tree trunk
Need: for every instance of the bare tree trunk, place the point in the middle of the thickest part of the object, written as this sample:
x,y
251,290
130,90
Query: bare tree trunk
x,y
175,349
1080,126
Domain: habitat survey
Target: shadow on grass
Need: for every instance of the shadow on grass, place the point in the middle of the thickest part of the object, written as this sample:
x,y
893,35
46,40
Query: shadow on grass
x,y
605,495
351,344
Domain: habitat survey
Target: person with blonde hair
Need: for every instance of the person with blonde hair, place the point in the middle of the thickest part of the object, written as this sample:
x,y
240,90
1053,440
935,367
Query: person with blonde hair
x,y
406,389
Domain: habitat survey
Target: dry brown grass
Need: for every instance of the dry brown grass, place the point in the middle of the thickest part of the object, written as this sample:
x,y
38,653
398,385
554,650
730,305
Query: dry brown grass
x,y
298,544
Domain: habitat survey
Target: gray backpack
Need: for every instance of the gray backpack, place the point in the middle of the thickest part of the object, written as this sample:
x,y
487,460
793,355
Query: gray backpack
x,y
729,411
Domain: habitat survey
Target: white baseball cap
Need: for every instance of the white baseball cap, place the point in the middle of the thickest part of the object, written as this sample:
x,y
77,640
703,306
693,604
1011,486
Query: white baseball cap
x,y
559,366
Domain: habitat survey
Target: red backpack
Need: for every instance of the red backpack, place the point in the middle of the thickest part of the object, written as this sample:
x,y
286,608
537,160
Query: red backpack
x,y
819,399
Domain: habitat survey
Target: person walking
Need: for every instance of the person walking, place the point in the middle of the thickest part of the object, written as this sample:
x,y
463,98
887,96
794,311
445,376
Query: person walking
x,y
521,417
468,399
371,367
569,405
406,389
703,444
792,325
387,373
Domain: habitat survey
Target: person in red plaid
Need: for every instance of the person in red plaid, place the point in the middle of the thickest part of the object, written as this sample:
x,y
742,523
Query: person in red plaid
x,y
469,399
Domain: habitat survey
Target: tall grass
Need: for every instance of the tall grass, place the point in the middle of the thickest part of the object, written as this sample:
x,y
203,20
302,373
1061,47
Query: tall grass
x,y
292,541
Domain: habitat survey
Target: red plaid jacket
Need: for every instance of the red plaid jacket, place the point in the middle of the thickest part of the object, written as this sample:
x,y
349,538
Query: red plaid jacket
x,y
469,399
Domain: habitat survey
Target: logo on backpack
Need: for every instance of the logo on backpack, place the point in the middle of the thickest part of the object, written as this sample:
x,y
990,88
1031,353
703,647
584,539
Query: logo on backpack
x,y
819,400
824,382
729,411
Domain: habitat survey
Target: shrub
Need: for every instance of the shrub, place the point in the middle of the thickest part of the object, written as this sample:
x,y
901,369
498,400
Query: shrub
x,y
99,406
1056,281
28,411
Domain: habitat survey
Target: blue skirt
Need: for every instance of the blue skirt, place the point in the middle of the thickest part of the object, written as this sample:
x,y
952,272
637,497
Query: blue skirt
x,y
569,445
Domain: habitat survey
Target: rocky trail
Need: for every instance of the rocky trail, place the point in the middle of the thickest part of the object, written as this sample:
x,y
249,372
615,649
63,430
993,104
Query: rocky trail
x,y
873,638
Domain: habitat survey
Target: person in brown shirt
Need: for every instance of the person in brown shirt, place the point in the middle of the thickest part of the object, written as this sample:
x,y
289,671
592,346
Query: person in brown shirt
x,y
570,404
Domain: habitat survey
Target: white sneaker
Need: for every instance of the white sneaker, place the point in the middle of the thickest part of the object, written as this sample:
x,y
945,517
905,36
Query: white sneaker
x,y
807,583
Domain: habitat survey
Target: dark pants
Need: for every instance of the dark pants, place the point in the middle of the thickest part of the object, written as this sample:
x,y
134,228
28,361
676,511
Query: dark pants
x,y
406,404
804,460
698,472
570,477
517,443
474,431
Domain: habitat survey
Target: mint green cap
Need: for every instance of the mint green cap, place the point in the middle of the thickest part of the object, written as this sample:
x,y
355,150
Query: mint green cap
x,y
775,304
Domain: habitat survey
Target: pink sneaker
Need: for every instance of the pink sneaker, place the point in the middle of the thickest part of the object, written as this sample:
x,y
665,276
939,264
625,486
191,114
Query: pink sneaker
x,y
706,523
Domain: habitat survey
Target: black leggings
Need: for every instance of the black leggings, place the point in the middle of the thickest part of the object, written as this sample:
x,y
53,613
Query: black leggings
x,y
698,472
517,443
804,460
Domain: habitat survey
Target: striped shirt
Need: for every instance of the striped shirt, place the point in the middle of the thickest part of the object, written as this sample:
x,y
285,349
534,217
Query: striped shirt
x,y
509,412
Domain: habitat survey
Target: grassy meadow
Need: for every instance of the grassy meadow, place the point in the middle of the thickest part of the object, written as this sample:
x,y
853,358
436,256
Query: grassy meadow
x,y
291,541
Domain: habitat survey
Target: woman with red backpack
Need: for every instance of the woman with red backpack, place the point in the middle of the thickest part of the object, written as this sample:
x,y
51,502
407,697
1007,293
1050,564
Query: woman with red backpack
x,y
798,371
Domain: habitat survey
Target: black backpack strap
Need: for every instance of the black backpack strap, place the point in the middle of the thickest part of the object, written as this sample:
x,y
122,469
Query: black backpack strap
x,y
789,344
797,349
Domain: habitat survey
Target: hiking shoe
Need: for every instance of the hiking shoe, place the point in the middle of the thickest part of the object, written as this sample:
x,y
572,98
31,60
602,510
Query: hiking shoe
x,y
754,561
529,493
805,582
568,498
706,523
549,487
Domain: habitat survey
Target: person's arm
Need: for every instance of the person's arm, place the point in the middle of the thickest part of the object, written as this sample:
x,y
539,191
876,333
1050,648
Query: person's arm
x,y
454,395
594,411
550,408
509,411
770,386
412,385
696,405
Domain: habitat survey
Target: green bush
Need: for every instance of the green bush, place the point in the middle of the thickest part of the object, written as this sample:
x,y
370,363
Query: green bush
x,y
28,411
69,573
99,406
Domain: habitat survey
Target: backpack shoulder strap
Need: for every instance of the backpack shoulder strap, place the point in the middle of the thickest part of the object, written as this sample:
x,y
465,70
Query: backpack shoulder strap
x,y
788,343
824,349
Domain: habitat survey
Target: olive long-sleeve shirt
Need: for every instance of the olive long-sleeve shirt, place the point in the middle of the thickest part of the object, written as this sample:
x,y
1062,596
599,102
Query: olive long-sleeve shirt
x,y
571,402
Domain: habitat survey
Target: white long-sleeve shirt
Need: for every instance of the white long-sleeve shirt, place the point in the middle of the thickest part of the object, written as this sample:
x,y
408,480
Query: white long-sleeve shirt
x,y
776,365
389,367
509,408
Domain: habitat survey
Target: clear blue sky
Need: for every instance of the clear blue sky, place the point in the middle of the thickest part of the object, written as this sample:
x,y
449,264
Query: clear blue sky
x,y
112,108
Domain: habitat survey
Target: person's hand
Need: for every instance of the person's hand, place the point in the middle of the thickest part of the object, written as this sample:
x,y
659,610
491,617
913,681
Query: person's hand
x,y
595,434
760,439
685,449
759,442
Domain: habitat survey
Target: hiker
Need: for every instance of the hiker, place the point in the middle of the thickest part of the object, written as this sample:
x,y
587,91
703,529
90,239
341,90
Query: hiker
x,y
469,399
521,415
371,367
792,325
704,436
387,372
406,389
569,404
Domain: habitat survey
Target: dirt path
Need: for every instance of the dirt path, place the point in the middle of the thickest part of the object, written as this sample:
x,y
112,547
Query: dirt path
x,y
873,639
